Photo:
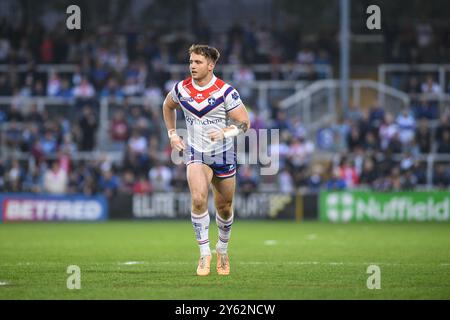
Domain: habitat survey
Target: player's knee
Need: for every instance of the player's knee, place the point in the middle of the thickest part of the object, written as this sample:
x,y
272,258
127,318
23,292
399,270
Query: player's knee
x,y
199,202
225,210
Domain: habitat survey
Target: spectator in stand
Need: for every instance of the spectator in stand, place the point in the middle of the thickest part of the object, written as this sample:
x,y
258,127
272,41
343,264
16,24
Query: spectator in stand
x,y
432,90
138,146
354,113
348,172
371,145
407,161
14,177
376,115
68,146
365,125
282,123
2,174
99,74
53,84
5,87
387,131
431,87
14,113
48,143
160,177
408,181
65,91
38,89
395,145
127,182
413,89
406,125
441,176
285,182
383,184
306,56
247,179
13,137
443,126
119,129
396,179
444,145
315,179
369,172
153,95
423,136
299,128
299,153
243,77
336,182
46,50
142,186
112,91
33,180
34,115
88,125
132,87
55,179
179,178
27,89
84,90
426,109
354,139
109,183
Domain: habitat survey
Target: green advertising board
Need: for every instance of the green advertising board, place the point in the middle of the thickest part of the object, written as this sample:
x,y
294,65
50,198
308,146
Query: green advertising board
x,y
377,206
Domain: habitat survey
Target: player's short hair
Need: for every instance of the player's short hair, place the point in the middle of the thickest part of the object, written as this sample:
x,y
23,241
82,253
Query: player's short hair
x,y
210,53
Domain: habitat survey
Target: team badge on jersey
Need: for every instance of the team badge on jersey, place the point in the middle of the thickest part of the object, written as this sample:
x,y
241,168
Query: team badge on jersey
x,y
235,95
211,101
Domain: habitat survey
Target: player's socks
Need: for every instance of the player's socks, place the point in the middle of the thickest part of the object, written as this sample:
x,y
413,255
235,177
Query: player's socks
x,y
201,228
224,232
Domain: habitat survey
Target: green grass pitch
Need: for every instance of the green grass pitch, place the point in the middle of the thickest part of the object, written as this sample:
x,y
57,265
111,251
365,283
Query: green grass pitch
x,y
269,260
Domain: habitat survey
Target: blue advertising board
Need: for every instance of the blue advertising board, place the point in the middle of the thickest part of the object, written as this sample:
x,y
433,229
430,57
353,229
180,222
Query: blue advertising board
x,y
39,207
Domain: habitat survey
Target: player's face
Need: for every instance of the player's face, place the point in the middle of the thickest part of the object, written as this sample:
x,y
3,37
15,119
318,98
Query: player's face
x,y
199,66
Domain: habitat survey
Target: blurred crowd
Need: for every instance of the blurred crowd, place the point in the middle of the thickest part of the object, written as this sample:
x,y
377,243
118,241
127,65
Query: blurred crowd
x,y
373,148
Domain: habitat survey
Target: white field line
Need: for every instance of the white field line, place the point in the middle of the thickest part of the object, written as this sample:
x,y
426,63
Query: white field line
x,y
128,263
242,262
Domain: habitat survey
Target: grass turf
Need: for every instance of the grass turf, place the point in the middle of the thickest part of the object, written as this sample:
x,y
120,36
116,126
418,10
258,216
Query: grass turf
x,y
269,260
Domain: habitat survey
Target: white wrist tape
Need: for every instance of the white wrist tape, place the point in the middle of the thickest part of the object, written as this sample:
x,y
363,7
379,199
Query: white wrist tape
x,y
171,133
231,133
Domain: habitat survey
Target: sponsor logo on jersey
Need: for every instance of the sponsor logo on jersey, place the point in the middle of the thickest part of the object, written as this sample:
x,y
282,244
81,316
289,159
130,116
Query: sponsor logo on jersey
x,y
204,122
188,99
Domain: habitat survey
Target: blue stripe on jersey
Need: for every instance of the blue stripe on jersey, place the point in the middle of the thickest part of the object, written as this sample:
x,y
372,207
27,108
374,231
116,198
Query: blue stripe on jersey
x,y
204,111
176,90
228,91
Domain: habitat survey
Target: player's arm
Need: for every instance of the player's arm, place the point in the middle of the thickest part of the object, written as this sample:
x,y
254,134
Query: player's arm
x,y
170,119
240,124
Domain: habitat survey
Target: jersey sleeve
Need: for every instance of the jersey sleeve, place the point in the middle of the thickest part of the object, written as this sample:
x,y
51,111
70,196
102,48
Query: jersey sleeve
x,y
232,99
174,93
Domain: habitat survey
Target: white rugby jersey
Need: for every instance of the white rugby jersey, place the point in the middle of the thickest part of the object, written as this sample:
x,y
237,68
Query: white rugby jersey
x,y
205,109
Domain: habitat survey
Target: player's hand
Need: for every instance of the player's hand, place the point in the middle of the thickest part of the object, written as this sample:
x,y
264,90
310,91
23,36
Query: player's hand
x,y
216,135
177,143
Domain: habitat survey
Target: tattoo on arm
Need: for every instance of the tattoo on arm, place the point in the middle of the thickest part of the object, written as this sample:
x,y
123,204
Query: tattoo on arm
x,y
242,126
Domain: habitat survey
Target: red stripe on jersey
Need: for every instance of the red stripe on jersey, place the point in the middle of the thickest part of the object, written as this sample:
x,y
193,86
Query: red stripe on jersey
x,y
201,95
